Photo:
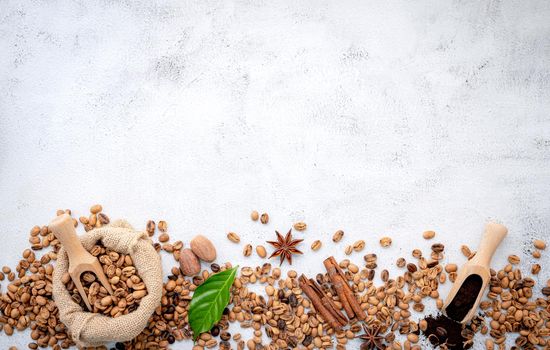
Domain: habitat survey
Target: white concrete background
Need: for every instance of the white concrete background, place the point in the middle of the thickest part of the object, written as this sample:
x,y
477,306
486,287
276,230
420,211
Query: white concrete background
x,y
379,118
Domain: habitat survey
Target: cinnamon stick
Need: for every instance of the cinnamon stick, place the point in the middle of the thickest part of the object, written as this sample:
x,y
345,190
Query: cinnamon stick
x,y
347,298
322,306
328,303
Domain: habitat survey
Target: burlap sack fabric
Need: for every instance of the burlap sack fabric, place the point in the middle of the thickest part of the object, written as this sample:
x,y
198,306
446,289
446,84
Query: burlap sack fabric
x,y
89,329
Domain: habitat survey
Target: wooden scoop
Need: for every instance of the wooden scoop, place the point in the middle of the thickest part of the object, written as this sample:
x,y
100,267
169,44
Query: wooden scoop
x,y
80,260
473,277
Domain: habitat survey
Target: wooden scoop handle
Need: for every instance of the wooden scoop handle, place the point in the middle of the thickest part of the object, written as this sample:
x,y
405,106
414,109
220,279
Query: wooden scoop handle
x,y
63,229
494,234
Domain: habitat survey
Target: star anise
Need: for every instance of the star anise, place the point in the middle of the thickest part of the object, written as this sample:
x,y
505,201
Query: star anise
x,y
285,247
372,339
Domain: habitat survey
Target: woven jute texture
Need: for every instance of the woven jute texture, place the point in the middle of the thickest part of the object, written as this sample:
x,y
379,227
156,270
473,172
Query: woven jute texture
x,y
90,329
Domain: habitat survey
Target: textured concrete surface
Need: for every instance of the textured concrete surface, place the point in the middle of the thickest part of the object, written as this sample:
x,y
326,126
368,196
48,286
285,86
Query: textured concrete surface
x,y
379,118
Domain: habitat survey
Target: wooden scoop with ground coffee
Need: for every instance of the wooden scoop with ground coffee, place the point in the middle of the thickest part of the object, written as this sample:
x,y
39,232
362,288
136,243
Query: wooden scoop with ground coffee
x,y
473,277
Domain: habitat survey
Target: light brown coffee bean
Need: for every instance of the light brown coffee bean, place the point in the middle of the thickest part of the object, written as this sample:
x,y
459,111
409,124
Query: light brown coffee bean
x,y
539,244
300,226
106,301
451,268
513,259
359,245
316,245
164,237
428,234
401,262
260,250
151,226
466,251
94,209
535,269
338,235
233,237
264,218
162,226
247,251
254,215
385,241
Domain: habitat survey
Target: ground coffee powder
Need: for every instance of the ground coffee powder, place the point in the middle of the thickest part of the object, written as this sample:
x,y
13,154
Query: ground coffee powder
x,y
465,298
443,330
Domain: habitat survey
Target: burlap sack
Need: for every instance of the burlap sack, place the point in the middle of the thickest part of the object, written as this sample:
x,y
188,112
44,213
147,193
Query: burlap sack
x,y
89,329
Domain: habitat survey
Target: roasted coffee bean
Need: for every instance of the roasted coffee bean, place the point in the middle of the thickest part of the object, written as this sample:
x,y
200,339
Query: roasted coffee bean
x,y
293,301
215,331
307,340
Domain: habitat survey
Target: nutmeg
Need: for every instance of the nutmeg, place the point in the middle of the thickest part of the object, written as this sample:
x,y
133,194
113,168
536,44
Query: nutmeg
x,y
203,248
189,263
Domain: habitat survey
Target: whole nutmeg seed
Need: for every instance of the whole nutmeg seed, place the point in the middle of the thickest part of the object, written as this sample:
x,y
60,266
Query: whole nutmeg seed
x,y
203,248
189,263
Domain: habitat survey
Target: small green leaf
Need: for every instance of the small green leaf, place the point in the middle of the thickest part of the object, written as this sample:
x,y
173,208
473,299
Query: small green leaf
x,y
209,300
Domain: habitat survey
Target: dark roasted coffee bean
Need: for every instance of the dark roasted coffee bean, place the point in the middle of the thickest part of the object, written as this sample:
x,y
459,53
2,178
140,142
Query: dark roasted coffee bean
x,y
441,332
438,247
281,324
171,339
225,336
307,340
411,267
215,331
215,267
292,341
293,301
370,275
120,346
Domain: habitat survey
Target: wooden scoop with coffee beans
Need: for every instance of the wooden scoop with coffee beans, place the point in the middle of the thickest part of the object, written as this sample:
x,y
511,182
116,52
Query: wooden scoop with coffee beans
x,y
473,277
80,260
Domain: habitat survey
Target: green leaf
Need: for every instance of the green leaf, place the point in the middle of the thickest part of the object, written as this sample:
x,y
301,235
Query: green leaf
x,y
209,300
